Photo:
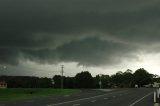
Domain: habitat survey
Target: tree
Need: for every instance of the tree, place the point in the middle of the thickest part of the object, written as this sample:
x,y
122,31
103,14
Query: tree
x,y
69,82
142,77
84,80
26,82
57,80
105,80
128,78
117,79
96,81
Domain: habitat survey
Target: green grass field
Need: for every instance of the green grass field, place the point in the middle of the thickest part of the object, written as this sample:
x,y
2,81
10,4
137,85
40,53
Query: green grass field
x,y
12,94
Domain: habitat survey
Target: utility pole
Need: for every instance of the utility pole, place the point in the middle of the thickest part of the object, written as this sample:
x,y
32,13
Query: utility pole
x,y
100,81
2,68
62,71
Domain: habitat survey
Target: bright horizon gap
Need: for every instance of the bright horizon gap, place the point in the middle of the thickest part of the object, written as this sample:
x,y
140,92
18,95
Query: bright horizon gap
x,y
52,70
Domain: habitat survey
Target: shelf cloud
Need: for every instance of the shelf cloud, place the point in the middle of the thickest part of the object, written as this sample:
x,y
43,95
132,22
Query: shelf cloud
x,y
89,32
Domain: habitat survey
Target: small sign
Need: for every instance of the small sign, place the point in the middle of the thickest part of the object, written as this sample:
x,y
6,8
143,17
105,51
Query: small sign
x,y
52,81
100,83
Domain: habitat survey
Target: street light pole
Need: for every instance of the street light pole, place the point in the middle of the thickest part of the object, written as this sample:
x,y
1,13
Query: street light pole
x,y
100,81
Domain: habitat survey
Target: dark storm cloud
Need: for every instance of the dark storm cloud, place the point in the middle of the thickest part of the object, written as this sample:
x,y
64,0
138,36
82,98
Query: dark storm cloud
x,y
90,51
9,56
51,31
93,51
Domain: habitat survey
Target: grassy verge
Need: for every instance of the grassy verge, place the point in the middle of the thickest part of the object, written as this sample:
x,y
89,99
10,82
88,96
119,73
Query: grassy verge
x,y
11,94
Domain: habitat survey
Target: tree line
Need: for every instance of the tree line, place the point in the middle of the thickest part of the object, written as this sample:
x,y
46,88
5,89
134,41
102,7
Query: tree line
x,y
85,80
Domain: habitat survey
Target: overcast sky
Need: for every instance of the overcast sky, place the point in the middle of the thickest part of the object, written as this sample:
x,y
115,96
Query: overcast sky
x,y
101,36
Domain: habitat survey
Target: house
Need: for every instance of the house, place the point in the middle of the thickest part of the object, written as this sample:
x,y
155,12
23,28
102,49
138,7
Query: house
x,y
3,84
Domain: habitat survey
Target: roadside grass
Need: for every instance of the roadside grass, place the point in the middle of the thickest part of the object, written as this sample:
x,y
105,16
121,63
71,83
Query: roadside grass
x,y
11,94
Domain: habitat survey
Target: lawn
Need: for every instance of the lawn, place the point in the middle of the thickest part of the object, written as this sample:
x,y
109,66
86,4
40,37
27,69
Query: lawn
x,y
11,94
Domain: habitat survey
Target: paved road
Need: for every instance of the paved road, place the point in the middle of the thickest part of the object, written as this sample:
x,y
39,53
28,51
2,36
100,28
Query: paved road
x,y
122,97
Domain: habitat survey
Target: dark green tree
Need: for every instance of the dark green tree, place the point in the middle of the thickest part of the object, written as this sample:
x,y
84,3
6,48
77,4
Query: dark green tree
x,y
57,81
69,82
142,77
84,80
105,79
128,78
117,79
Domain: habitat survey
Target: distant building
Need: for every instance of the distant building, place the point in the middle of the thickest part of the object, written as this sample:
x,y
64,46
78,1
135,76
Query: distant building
x,y
156,84
3,84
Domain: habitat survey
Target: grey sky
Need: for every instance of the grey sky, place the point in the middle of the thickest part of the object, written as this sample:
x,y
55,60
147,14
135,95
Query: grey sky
x,y
94,33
